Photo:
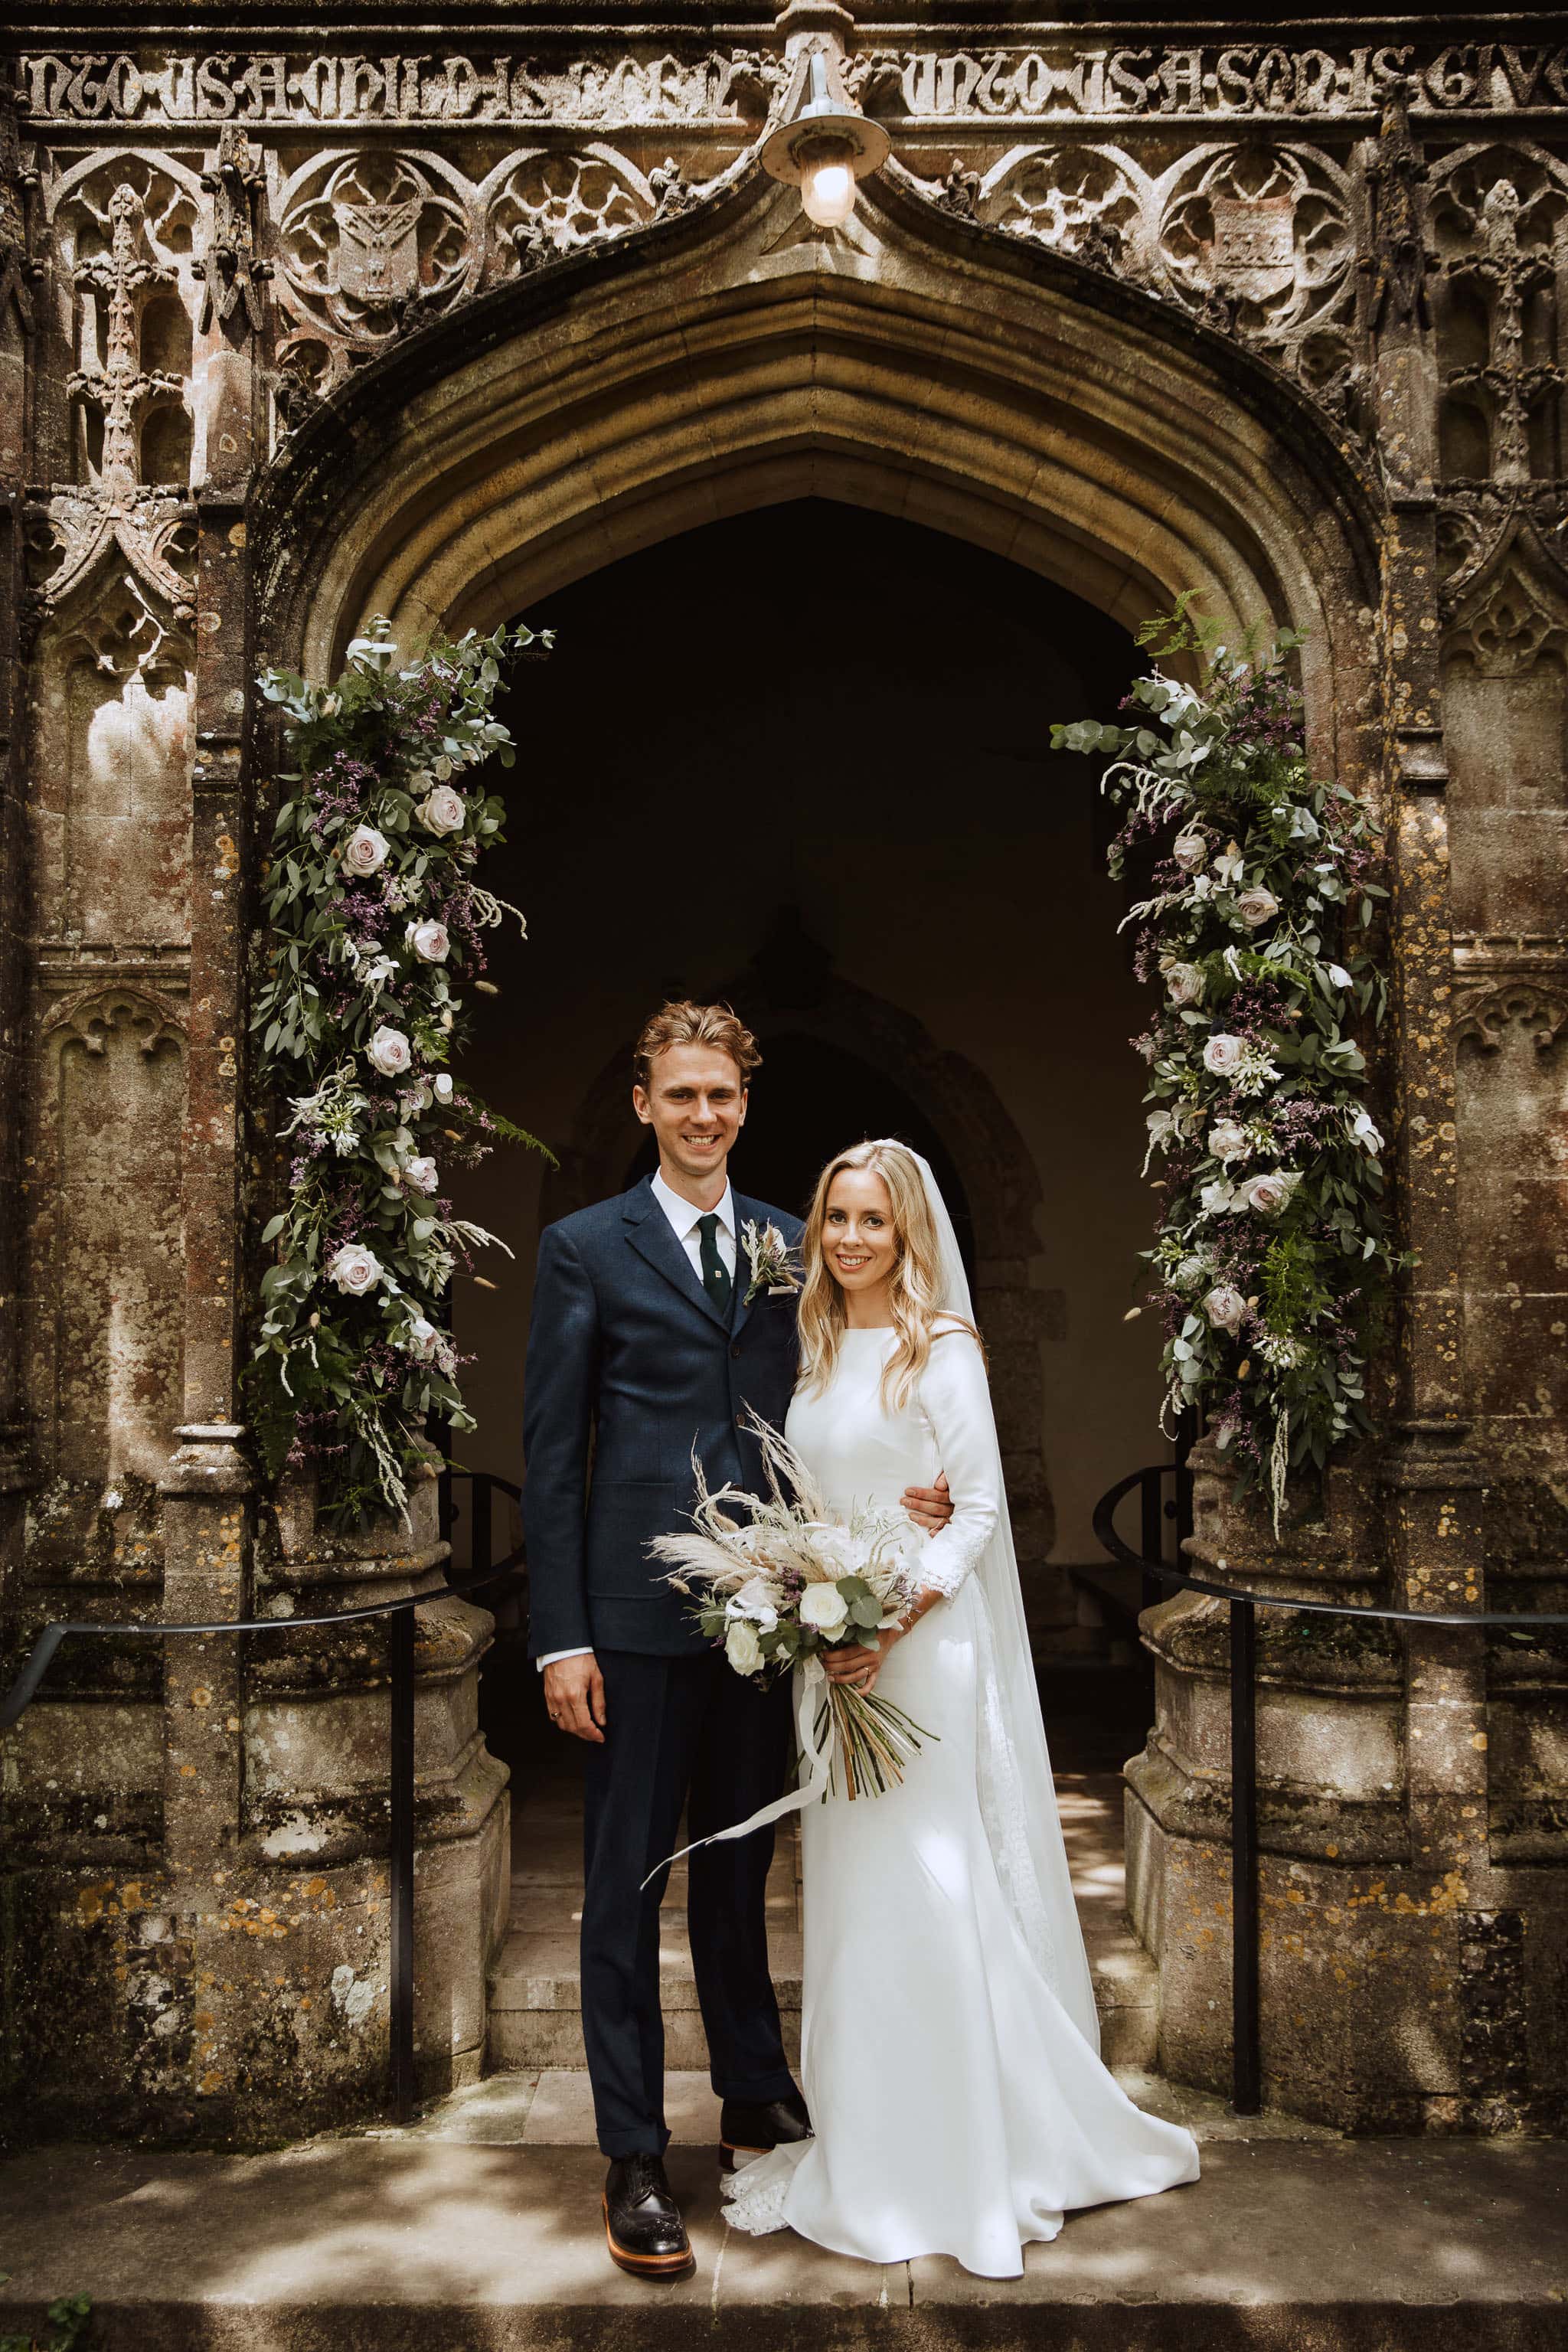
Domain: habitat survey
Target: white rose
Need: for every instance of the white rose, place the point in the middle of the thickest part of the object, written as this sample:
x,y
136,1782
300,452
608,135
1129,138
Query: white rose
x,y
1227,1139
425,1339
823,1606
364,850
1189,849
1223,1055
442,810
742,1648
389,1050
1257,906
1265,1195
421,1173
755,1601
355,1269
1185,983
1363,1133
1225,1307
442,1083
428,942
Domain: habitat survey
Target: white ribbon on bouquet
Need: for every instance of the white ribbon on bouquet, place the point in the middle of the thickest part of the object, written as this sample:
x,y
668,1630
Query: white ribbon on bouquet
x,y
816,1761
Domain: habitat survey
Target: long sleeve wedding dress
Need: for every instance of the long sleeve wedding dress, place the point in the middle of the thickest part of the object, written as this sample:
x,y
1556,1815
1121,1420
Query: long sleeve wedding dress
x,y
951,2054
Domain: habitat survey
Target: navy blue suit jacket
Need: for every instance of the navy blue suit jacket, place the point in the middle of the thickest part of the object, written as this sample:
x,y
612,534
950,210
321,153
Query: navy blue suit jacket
x,y
627,1349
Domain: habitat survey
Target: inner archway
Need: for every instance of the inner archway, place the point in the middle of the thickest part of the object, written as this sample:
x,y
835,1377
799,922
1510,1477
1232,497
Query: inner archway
x,y
848,821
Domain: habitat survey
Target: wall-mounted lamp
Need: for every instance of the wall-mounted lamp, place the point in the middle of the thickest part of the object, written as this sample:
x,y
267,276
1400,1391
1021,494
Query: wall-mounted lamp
x,y
824,145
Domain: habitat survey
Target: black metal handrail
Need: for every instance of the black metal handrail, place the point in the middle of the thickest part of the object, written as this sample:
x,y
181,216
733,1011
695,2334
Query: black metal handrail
x,y
1247,2053
399,1613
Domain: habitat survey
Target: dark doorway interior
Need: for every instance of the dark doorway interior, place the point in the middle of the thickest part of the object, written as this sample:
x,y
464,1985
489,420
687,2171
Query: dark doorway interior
x,y
800,758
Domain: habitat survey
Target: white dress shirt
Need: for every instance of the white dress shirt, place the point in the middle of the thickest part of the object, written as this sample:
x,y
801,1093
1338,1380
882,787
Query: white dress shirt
x,y
684,1218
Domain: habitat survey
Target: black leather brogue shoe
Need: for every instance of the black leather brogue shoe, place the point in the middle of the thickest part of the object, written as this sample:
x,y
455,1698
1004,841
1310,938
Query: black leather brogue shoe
x,y
746,2131
643,2226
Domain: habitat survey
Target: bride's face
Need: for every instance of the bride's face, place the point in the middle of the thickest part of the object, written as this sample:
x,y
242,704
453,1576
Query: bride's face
x,y
860,1239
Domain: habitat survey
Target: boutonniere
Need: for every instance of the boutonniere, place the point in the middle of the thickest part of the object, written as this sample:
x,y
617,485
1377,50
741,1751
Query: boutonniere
x,y
768,1255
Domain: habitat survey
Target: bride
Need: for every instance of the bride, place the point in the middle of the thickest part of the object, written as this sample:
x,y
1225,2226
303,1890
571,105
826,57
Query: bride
x,y
950,2041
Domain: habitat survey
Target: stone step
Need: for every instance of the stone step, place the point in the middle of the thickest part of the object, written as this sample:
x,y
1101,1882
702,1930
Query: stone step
x,y
536,1993
536,2000
407,2241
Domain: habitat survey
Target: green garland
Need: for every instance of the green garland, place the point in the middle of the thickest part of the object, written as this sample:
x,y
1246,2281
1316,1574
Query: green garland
x,y
1272,1257
373,917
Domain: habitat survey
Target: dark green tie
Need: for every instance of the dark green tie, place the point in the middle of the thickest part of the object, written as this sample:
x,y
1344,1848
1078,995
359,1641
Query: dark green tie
x,y
715,1273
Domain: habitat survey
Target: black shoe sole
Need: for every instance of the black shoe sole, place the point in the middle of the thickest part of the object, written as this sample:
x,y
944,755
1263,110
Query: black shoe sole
x,y
659,2270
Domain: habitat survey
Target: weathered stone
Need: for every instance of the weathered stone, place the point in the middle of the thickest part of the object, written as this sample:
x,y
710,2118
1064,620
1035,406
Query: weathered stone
x,y
291,336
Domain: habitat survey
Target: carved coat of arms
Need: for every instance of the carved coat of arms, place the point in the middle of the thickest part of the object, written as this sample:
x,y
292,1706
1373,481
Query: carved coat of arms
x,y
1253,249
378,250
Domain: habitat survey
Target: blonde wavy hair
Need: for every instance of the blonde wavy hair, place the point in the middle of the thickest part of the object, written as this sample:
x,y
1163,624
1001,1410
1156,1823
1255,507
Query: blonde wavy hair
x,y
917,1277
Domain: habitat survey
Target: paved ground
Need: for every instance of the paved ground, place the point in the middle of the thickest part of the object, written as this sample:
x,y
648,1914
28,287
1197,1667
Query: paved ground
x,y
437,2244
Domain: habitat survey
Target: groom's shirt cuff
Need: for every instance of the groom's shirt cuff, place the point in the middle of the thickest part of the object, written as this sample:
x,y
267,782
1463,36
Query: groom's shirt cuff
x,y
583,1651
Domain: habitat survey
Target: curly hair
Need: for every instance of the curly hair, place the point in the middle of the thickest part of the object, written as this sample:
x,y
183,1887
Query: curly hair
x,y
681,1023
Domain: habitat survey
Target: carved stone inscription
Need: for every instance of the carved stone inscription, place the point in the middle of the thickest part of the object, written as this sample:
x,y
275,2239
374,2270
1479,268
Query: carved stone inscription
x,y
1244,78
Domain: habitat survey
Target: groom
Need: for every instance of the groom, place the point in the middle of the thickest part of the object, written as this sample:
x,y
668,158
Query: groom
x,y
650,1336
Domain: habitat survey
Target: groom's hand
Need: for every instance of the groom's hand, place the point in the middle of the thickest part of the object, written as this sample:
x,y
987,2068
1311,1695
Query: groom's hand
x,y
575,1697
930,1508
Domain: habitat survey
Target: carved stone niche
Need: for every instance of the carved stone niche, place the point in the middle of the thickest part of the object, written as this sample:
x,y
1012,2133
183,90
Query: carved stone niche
x,y
1511,1113
105,1316
1505,700
125,229
111,809
1498,217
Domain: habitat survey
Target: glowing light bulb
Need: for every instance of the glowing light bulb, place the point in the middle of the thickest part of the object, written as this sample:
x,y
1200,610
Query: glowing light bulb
x,y
828,190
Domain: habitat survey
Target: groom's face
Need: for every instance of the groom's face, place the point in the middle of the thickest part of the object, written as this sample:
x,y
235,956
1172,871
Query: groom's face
x,y
695,1103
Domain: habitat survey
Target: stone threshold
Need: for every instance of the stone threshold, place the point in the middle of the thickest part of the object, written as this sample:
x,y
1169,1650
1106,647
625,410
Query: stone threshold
x,y
416,2242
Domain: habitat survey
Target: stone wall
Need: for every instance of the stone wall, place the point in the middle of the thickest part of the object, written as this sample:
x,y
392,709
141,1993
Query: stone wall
x,y
290,333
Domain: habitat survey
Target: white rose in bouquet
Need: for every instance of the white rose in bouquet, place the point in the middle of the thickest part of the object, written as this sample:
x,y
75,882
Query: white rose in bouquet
x,y
355,1269
824,1607
1257,906
365,851
389,1050
1190,850
756,1601
742,1648
1224,1055
442,810
428,940
1183,984
1224,1307
1265,1195
420,1172
1227,1139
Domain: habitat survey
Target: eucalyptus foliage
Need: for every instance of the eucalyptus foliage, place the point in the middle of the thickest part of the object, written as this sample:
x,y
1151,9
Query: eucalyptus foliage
x,y
1272,1257
376,923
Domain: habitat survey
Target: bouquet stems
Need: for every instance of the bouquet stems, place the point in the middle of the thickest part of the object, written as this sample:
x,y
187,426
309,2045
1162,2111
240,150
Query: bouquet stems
x,y
875,1738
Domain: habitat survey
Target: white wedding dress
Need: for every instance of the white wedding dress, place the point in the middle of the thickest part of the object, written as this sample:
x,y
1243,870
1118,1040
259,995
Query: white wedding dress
x,y
950,2048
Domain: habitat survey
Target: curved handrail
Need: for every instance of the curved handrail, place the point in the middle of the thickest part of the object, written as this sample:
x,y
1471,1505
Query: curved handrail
x,y
1105,1530
40,1657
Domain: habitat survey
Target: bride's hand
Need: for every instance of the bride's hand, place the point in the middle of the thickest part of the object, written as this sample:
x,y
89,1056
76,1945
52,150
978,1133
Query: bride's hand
x,y
850,1662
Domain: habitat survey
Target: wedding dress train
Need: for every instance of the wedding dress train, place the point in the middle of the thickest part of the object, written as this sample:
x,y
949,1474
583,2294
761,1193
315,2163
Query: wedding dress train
x,y
950,2049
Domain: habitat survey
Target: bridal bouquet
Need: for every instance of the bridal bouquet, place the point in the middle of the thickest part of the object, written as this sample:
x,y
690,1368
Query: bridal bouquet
x,y
784,1582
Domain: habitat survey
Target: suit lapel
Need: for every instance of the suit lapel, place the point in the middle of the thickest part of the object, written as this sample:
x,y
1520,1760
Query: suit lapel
x,y
652,1236
745,1212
